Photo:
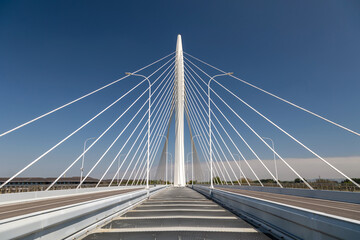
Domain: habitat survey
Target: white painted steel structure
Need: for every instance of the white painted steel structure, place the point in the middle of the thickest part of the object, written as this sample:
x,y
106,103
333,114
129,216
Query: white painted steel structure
x,y
176,88
179,168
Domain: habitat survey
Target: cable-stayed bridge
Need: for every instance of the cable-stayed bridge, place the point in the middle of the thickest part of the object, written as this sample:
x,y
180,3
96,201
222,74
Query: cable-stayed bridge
x,y
179,125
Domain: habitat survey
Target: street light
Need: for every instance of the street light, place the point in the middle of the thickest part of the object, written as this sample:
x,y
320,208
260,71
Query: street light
x,y
210,148
83,159
148,147
273,148
166,160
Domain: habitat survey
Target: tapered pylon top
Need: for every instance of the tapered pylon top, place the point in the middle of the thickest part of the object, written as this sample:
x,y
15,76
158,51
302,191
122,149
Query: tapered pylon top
x,y
179,169
179,44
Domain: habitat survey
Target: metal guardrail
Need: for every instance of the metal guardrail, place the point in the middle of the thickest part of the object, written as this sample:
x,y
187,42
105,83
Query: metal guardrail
x,y
40,195
350,197
70,221
285,221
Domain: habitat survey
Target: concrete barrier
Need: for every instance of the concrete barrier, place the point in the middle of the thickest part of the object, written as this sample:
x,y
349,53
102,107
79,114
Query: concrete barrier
x,y
70,221
284,221
342,196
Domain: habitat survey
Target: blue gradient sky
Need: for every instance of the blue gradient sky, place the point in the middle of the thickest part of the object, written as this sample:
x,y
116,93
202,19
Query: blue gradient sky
x,y
52,52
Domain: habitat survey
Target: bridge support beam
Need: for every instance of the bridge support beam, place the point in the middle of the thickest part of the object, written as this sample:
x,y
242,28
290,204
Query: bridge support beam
x,y
179,168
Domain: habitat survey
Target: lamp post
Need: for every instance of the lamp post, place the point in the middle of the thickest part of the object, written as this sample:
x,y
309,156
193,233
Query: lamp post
x,y
148,143
83,159
166,160
210,148
273,147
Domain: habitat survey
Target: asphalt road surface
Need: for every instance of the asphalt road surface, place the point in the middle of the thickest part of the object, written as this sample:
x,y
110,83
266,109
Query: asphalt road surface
x,y
342,209
177,213
18,209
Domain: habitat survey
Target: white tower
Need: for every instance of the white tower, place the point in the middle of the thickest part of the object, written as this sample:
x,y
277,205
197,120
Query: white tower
x,y
179,169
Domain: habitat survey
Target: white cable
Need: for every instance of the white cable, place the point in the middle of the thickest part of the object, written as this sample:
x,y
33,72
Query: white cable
x,y
193,142
153,157
205,145
126,156
67,137
97,139
223,130
136,163
199,142
189,87
78,99
232,156
195,103
142,162
127,182
122,149
156,131
213,144
275,96
167,77
217,159
249,145
289,135
112,144
163,108
162,94
280,130
133,131
223,127
161,131
202,142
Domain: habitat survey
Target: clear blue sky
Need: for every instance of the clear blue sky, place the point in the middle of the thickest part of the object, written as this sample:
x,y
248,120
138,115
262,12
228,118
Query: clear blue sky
x,y
52,52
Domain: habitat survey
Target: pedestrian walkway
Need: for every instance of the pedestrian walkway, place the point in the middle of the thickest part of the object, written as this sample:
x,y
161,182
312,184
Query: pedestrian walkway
x,y
177,213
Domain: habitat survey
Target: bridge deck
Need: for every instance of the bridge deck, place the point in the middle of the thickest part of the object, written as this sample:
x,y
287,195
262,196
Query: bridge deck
x,y
341,209
18,209
177,213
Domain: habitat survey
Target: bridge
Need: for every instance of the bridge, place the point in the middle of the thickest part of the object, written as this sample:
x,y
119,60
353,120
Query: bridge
x,y
145,185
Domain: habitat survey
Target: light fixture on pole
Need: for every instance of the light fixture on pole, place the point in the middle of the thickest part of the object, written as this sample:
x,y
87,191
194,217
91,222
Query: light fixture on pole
x,y
273,148
148,143
210,148
83,159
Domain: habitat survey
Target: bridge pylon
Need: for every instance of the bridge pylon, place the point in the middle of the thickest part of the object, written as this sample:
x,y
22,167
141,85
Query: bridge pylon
x,y
179,168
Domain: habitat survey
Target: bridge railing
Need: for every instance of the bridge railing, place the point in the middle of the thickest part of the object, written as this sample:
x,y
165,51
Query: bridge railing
x,y
282,220
71,221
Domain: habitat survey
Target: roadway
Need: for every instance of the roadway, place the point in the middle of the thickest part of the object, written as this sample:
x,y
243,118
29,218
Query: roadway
x,y
18,209
177,213
341,209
